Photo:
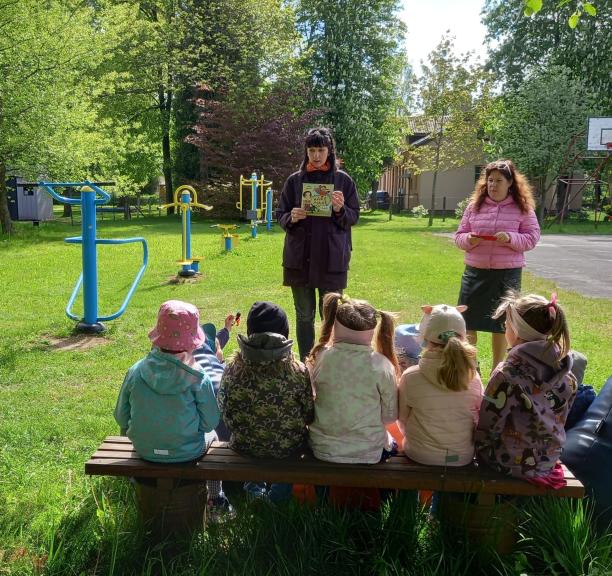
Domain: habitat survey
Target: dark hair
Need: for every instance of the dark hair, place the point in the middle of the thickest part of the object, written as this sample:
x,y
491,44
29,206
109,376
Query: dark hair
x,y
320,138
520,189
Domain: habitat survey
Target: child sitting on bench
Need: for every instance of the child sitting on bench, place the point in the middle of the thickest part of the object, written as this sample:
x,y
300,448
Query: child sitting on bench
x,y
355,383
166,405
265,394
440,397
522,417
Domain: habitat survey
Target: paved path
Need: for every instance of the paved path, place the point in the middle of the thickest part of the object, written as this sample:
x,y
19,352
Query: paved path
x,y
579,263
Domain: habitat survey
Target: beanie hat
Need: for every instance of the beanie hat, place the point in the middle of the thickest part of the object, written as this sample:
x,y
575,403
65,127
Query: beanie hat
x,y
441,322
407,341
178,327
267,317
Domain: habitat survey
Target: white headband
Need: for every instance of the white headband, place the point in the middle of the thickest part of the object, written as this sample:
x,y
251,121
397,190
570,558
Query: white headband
x,y
523,330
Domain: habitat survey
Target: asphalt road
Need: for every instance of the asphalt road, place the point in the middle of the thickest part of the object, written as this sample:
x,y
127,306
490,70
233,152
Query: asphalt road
x,y
579,263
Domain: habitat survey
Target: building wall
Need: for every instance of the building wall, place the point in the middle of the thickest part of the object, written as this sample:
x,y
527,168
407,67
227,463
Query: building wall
x,y
455,185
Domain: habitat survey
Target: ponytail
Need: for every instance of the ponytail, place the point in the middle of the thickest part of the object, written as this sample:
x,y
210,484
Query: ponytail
x,y
330,307
458,364
385,339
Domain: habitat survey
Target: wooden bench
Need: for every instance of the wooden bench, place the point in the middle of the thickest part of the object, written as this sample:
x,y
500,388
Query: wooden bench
x,y
116,457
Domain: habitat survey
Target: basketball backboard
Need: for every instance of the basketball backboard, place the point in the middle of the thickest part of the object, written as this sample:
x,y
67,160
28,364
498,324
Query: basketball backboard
x,y
599,134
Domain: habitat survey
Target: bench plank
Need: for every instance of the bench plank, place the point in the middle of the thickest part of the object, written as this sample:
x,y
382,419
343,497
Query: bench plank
x,y
117,457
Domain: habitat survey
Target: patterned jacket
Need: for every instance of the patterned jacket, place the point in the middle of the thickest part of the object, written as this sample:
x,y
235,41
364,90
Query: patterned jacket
x,y
356,395
522,417
266,397
504,216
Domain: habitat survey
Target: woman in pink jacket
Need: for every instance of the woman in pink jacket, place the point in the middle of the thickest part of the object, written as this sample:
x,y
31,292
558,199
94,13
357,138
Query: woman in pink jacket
x,y
497,227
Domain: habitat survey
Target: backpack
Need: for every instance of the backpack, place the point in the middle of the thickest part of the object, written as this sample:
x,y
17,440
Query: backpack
x,y
588,454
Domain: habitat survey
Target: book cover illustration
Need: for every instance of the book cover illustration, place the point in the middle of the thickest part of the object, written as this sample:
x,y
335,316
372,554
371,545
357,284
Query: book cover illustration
x,y
317,199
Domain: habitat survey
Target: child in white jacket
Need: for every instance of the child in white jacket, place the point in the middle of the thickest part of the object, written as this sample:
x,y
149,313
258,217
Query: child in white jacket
x,y
439,399
355,383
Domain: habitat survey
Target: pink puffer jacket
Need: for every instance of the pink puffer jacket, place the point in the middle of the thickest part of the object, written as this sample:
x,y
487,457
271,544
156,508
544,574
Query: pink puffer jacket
x,y
504,216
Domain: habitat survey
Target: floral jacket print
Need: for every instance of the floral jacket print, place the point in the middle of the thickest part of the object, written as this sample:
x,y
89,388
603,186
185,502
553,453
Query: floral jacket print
x,y
522,417
266,397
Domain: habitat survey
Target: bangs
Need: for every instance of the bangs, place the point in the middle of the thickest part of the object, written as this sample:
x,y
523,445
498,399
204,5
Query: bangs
x,y
318,140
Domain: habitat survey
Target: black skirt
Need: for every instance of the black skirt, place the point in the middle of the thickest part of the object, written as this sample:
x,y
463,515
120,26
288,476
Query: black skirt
x,y
481,292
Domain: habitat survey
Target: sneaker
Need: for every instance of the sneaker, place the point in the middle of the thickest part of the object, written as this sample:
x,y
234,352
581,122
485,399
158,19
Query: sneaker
x,y
219,509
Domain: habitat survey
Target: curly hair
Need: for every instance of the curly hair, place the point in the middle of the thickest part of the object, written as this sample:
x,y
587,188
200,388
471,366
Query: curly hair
x,y
520,189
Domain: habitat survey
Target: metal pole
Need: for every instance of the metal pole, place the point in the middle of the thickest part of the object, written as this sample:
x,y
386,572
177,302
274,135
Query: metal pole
x,y
90,265
444,209
269,210
254,203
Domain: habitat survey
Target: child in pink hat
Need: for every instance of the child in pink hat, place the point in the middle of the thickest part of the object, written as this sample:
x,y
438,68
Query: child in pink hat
x,y
166,405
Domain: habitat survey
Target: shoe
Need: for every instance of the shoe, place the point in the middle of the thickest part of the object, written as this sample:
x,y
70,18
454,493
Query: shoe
x,y
219,509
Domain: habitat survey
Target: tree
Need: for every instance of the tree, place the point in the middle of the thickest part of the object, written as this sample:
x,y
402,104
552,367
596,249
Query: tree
x,y
47,118
166,47
535,124
353,54
532,7
453,98
267,137
521,45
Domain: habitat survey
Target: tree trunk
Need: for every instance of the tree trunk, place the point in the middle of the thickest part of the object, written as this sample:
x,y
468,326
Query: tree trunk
x,y
165,105
5,216
435,179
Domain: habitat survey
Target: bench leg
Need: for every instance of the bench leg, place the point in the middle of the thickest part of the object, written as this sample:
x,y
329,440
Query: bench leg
x,y
485,520
171,506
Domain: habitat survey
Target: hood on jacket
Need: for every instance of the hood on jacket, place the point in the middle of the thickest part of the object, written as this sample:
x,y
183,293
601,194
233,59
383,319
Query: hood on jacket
x,y
166,374
544,359
264,347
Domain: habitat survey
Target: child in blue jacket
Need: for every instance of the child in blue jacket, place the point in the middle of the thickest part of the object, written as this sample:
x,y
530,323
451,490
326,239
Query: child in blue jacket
x,y
166,404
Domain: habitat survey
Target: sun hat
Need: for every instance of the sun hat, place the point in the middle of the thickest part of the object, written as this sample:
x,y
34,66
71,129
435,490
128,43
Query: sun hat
x,y
442,321
178,327
407,341
267,317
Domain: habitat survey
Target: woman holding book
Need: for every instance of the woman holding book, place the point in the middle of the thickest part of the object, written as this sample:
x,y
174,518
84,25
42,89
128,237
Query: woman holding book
x,y
317,224
498,227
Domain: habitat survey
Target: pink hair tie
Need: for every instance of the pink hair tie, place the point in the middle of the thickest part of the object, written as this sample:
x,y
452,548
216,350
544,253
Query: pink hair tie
x,y
552,305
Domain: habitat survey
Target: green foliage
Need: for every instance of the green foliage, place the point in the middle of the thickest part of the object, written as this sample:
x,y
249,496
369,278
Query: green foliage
x,y
536,124
460,208
419,211
453,97
517,45
353,52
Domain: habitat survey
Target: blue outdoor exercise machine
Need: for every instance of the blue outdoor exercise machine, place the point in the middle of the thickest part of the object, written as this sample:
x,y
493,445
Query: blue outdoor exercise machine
x,y
190,265
260,188
91,195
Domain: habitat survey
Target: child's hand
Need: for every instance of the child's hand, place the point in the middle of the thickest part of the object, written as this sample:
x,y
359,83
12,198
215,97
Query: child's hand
x,y
229,321
502,237
219,351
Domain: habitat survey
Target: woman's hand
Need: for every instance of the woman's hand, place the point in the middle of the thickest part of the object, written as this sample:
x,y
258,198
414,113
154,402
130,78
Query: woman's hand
x,y
473,240
502,237
298,214
337,200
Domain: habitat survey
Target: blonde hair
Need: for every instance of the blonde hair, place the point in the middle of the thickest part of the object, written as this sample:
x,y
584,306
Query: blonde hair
x,y
520,189
356,315
458,366
537,311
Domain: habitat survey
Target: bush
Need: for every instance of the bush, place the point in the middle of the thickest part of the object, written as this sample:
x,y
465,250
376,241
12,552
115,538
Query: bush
x,y
461,206
420,211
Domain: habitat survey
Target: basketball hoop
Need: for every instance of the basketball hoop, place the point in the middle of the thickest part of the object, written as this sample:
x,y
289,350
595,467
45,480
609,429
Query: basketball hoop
x,y
609,146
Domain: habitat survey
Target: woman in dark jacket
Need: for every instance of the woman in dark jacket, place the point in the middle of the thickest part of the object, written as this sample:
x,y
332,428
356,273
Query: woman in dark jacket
x,y
317,247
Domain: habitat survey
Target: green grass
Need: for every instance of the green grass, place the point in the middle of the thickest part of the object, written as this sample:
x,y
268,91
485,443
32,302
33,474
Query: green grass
x,y
56,406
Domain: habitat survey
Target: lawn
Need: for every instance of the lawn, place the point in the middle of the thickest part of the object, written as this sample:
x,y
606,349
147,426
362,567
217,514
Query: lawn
x,y
56,404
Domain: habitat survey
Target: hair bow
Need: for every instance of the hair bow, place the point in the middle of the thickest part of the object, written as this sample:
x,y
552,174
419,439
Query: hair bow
x,y
552,305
